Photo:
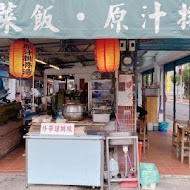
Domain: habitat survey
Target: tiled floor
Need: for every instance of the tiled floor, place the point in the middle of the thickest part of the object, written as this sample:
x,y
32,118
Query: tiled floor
x,y
14,162
162,155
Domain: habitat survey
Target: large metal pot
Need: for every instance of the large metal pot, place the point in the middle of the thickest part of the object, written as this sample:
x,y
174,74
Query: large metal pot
x,y
73,112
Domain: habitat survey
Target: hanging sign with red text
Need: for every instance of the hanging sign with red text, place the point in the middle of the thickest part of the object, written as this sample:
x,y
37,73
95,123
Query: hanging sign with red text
x,y
57,129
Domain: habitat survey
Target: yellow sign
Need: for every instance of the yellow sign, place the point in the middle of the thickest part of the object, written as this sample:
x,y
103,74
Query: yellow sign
x,y
168,88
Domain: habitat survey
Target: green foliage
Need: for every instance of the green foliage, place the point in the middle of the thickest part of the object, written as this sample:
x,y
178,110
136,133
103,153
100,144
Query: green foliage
x,y
177,79
186,80
185,74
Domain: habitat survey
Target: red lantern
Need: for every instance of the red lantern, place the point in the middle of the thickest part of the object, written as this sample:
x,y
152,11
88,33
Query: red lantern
x,y
107,52
22,59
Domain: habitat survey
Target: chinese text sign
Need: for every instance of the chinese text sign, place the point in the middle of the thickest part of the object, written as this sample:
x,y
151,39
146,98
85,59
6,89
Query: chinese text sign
x,y
57,129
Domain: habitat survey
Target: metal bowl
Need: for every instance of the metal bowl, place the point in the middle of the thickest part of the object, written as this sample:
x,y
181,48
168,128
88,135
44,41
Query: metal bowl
x,y
73,112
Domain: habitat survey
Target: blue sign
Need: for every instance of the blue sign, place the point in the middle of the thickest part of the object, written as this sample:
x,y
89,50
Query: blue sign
x,y
93,19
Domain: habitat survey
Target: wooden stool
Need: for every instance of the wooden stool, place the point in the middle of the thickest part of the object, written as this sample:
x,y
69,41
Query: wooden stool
x,y
174,136
142,135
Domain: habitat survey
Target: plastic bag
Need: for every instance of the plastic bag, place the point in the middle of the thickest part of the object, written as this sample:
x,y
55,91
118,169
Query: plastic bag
x,y
59,115
148,174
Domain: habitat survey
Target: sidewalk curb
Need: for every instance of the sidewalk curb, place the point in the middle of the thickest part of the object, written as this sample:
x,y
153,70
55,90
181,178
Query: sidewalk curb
x,y
174,176
184,103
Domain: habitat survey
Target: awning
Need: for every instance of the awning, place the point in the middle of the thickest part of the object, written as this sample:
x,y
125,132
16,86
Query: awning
x,y
171,66
92,19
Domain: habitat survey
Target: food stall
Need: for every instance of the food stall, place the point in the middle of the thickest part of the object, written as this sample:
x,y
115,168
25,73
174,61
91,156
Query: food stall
x,y
47,139
66,139
71,156
65,160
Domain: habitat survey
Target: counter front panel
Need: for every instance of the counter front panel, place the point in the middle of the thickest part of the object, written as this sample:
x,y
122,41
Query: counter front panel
x,y
75,161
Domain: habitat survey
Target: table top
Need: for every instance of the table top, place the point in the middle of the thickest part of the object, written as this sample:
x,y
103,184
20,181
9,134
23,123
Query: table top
x,y
34,135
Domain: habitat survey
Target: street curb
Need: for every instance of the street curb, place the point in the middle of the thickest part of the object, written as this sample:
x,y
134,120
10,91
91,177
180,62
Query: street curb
x,y
184,103
174,176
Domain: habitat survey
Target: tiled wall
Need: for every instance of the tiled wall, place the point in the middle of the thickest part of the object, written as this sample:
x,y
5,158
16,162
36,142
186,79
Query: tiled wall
x,y
128,121
128,125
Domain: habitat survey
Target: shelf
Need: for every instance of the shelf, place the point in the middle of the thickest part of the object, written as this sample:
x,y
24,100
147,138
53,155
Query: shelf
x,y
102,108
123,179
95,99
101,80
101,90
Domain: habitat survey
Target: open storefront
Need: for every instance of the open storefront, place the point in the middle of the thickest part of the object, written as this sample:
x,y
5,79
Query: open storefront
x,y
92,102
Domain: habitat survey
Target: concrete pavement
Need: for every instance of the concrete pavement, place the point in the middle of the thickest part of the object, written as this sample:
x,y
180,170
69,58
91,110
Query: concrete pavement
x,y
182,111
17,182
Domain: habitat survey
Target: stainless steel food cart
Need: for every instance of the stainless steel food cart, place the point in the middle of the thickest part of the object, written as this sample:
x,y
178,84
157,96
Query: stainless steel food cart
x,y
64,160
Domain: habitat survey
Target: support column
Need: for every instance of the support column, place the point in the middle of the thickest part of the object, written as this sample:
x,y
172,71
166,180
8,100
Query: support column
x,y
157,81
45,84
140,89
162,94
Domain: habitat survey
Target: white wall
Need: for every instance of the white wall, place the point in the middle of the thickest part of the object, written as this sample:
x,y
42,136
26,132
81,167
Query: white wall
x,y
55,86
12,89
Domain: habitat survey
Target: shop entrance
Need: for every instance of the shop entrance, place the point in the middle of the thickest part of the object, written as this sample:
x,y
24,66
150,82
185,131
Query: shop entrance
x,y
171,99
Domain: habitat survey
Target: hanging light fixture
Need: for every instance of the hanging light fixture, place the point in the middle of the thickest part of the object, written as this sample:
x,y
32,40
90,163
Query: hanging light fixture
x,y
107,54
55,67
22,59
40,61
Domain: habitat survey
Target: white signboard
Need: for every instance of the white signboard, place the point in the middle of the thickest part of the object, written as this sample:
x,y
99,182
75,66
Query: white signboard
x,y
57,129
125,91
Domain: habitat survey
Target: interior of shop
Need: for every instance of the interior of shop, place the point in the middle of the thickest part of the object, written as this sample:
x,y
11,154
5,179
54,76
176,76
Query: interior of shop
x,y
67,87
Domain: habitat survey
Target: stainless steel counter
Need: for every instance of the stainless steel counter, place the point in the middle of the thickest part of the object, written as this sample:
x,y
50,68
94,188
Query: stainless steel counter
x,y
64,160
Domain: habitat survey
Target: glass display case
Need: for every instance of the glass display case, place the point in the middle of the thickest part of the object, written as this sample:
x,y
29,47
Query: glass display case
x,y
100,96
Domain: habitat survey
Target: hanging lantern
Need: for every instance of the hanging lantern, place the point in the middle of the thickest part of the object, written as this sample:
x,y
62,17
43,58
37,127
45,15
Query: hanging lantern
x,y
107,54
22,59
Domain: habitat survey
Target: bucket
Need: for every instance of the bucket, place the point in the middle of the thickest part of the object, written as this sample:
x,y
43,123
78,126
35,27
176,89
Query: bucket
x,y
150,126
163,126
155,127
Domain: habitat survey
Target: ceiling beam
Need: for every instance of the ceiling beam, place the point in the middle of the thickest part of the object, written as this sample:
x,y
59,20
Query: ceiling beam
x,y
56,44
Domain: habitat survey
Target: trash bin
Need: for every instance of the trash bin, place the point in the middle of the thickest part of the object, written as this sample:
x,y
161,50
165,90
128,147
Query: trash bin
x,y
149,176
140,151
155,127
150,126
163,126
